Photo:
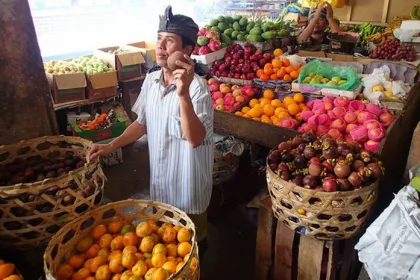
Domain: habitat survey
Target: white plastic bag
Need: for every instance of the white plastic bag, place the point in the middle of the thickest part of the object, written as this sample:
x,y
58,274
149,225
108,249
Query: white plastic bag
x,y
390,247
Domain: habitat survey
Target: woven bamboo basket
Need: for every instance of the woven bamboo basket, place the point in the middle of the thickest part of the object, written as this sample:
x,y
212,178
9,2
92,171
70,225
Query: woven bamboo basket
x,y
135,211
323,215
31,213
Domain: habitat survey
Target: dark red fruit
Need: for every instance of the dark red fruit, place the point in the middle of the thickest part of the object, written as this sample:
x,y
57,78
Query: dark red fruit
x,y
342,170
357,164
344,184
355,179
315,169
309,152
329,184
310,181
284,147
376,169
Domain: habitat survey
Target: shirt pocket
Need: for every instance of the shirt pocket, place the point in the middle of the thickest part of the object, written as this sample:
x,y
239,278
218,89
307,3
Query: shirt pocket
x,y
174,126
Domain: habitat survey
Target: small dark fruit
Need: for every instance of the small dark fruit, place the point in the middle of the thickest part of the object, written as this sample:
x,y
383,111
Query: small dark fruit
x,y
298,180
274,157
357,164
329,184
285,175
365,156
330,153
315,169
29,172
51,174
317,145
300,161
355,179
344,184
284,147
310,181
301,148
297,141
342,169
365,173
273,166
283,167
328,166
314,160
309,137
376,169
309,152
69,162
287,157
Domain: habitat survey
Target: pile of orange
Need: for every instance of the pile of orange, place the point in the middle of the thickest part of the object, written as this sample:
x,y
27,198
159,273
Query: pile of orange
x,y
279,69
120,251
8,271
267,109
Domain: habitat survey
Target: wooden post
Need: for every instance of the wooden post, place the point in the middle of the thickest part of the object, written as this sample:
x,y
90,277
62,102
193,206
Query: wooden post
x,y
25,104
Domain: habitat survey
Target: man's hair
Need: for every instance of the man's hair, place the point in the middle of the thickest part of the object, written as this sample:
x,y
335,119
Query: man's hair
x,y
187,42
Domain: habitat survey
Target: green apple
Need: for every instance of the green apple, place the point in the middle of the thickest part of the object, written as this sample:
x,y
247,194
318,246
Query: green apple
x,y
313,81
307,80
415,182
325,81
342,82
332,83
311,74
336,79
319,77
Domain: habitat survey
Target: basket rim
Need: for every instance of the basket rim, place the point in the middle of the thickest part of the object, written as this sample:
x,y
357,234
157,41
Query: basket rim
x,y
24,187
67,226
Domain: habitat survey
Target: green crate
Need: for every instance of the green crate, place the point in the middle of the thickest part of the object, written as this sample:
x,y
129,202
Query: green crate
x,y
113,131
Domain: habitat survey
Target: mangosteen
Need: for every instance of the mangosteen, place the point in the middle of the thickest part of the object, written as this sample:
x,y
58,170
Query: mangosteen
x,y
329,184
317,144
287,157
344,184
376,169
365,156
342,169
285,175
284,147
300,161
355,179
309,152
308,137
298,180
283,167
274,157
315,169
330,152
301,148
273,166
60,171
297,141
69,162
90,190
310,181
364,173
325,136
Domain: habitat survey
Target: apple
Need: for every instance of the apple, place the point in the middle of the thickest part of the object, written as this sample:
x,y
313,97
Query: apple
x,y
239,99
220,101
220,107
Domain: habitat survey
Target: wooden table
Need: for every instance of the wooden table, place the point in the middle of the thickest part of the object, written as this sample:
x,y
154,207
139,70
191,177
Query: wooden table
x,y
282,254
130,90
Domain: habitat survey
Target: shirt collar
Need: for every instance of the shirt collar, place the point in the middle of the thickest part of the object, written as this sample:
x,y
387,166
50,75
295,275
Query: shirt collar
x,y
169,88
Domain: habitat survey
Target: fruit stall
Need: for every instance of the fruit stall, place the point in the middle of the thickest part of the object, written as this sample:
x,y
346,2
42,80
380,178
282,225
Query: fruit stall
x,y
334,124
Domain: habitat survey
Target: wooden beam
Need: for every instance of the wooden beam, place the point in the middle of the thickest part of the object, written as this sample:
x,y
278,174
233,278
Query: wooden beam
x,y
283,256
385,11
310,258
349,10
25,104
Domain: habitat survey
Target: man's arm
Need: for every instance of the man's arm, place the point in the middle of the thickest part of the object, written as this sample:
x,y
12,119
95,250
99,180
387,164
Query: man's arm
x,y
335,28
307,32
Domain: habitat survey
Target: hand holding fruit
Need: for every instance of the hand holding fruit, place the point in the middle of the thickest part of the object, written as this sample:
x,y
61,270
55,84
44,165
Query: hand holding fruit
x,y
183,75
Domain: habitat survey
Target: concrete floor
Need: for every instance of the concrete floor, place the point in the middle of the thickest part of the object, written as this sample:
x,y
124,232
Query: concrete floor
x,y
231,237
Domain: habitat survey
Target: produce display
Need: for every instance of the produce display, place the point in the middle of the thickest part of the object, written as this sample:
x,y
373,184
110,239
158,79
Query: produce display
x,y
314,78
239,63
348,120
286,113
229,97
207,42
37,169
324,164
393,50
275,67
8,271
253,29
89,65
120,250
99,121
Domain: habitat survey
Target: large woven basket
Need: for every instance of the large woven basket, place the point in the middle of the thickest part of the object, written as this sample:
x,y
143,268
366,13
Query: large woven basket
x,y
323,215
31,213
63,243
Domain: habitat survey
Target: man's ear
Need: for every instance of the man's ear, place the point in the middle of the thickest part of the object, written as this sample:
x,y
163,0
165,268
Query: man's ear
x,y
188,50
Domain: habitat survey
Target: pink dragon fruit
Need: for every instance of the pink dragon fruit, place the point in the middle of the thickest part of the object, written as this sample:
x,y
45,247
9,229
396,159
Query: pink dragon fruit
x,y
211,34
202,32
214,45
195,51
204,50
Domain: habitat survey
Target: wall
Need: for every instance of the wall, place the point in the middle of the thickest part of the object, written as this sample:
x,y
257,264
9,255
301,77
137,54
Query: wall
x,y
372,10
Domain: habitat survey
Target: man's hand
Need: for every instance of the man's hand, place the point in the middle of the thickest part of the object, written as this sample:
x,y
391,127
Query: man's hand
x,y
184,76
330,13
318,12
97,150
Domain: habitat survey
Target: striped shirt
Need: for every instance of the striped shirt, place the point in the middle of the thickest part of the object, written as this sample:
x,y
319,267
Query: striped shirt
x,y
179,174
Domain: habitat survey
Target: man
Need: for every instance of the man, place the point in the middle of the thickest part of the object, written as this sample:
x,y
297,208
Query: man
x,y
174,108
317,24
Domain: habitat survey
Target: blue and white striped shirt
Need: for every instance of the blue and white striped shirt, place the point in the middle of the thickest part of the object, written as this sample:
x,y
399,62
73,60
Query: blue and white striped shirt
x,y
179,174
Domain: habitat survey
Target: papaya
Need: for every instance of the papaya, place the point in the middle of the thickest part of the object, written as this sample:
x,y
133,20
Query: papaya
x,y
243,21
269,35
234,34
214,22
254,38
255,31
222,26
228,32
236,26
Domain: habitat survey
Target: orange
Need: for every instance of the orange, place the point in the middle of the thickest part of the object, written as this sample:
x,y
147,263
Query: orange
x,y
149,273
276,103
268,65
276,63
268,71
115,263
287,78
76,261
88,263
96,263
285,62
130,238
283,115
171,250
275,69
288,100
256,119
158,259
139,269
245,109
183,249
299,97
64,271
113,253
128,260
127,275
264,77
280,74
269,94
148,262
238,113
104,252
91,278
169,235
114,226
193,264
143,229
252,103
105,241
103,273
278,52
260,72
13,277
159,248
254,113
130,249
139,256
98,231
179,266
155,237
289,69
293,109
146,244
294,74
117,243
84,244
298,117
264,101
269,110
81,274
170,266
160,274
246,116
93,251
266,119
116,276
273,77
279,110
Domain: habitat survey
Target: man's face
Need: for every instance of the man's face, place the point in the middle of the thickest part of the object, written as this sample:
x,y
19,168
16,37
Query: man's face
x,y
166,44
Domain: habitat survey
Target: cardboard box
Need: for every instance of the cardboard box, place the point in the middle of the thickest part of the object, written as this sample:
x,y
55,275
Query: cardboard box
x,y
67,87
148,51
73,117
340,57
312,53
102,85
113,158
128,65
115,130
208,59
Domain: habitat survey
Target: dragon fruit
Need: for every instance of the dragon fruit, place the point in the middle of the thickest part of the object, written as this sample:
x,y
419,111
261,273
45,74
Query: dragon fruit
x,y
215,45
195,51
202,40
211,34
204,50
202,32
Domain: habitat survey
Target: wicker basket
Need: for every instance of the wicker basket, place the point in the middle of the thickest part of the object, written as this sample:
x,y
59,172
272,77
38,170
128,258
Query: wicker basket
x,y
324,215
31,213
135,211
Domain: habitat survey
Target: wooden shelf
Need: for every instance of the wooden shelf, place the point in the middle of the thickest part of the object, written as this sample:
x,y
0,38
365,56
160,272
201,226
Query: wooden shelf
x,y
80,103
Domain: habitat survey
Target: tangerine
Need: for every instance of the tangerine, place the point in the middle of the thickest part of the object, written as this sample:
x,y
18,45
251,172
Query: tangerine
x,y
149,273
126,228
283,115
289,69
288,100
128,260
294,75
264,101
299,97
298,116
179,266
88,263
280,74
268,71
276,103
105,241
96,263
285,62
183,249
159,248
269,110
143,229
254,113
278,52
275,69
113,253
98,231
81,274
287,78
158,259
279,110
148,262
171,250
117,243
84,244
256,119
127,275
246,116
93,251
103,273
104,252
130,238
116,276
76,261
293,109
139,269
276,63
146,244
115,263
238,113
130,249
273,77
264,77
253,102
266,119
169,235
115,226
245,109
160,274
139,256
64,271
268,94
260,72
170,266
